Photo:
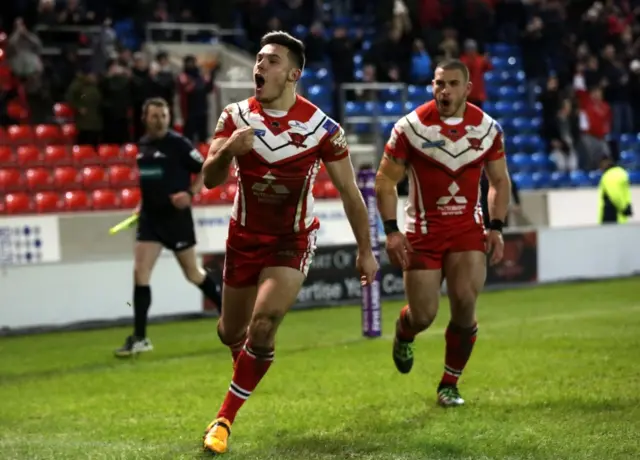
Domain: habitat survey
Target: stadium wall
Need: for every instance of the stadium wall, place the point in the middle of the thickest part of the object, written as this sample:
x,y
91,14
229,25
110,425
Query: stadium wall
x,y
65,269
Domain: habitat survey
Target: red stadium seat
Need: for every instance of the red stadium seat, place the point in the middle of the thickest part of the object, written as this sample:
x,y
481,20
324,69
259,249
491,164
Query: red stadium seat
x,y
318,189
38,179
11,180
66,177
129,152
48,134
122,176
28,155
4,137
94,177
84,155
109,153
330,191
229,193
6,156
2,207
17,110
210,196
56,155
104,199
20,134
18,203
129,198
76,200
69,133
63,111
47,202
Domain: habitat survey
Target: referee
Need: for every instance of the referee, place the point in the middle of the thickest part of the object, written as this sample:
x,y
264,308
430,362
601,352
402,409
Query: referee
x,y
166,162
614,193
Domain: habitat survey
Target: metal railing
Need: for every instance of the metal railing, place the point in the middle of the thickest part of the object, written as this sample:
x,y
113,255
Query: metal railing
x,y
185,30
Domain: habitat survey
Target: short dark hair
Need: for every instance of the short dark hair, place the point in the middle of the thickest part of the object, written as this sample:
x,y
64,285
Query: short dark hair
x,y
293,45
153,102
454,64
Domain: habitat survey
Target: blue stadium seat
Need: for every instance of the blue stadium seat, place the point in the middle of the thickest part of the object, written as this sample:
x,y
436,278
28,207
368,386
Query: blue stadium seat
x,y
410,106
634,177
392,108
629,159
521,162
300,31
386,128
391,94
317,92
524,181
503,109
499,63
417,92
358,75
322,75
522,125
371,108
541,161
490,78
362,128
519,109
594,177
366,45
560,179
541,179
627,141
521,77
354,109
579,178
357,60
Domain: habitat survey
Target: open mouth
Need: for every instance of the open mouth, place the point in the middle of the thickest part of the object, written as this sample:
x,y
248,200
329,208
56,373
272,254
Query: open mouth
x,y
259,79
445,103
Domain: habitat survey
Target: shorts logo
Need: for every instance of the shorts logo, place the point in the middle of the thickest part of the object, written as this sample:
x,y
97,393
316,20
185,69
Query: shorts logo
x,y
452,204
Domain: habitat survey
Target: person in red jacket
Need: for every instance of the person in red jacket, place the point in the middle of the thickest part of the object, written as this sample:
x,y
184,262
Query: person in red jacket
x,y
595,125
478,65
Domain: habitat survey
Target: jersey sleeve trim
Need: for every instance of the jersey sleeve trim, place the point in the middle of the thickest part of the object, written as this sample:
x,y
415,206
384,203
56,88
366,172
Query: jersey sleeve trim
x,y
226,124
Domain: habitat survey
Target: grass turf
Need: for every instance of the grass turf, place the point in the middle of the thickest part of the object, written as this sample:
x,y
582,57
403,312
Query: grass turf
x,y
554,376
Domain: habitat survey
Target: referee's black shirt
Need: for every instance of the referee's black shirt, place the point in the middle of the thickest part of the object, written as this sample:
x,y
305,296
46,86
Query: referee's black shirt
x,y
166,165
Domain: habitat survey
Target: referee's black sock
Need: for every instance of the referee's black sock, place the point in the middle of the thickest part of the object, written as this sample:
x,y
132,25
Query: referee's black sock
x,y
210,290
141,304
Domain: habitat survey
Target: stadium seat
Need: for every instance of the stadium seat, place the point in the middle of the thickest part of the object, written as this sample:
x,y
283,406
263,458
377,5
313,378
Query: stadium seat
x,y
229,192
541,162
47,202
594,177
4,137
122,176
56,155
63,111
28,155
129,152
211,196
629,159
318,189
579,178
541,179
20,134
94,177
330,191
6,156
38,179
560,179
104,199
521,162
66,177
47,134
18,203
524,181
109,153
76,200
84,155
69,133
11,180
634,177
129,198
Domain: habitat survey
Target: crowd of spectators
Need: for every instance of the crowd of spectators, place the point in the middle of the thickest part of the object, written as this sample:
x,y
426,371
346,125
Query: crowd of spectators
x,y
581,59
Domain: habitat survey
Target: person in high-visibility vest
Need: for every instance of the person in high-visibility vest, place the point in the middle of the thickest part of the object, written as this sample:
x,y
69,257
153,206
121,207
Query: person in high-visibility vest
x,y
614,193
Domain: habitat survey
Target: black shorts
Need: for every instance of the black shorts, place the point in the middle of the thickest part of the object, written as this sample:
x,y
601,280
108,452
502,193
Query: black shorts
x,y
175,232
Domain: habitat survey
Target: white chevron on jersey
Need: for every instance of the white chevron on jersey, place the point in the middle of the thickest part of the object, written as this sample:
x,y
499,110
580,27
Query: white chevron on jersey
x,y
454,155
277,147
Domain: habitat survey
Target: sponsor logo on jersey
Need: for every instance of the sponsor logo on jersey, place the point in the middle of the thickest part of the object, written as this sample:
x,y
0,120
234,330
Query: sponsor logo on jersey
x,y
150,172
452,204
433,144
260,132
339,141
269,191
330,126
297,139
298,126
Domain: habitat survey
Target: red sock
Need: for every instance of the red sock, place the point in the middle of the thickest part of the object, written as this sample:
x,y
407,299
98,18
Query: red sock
x,y
236,349
404,330
459,344
251,366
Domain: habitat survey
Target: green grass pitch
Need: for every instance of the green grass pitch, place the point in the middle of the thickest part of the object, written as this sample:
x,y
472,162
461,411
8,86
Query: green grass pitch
x,y
555,375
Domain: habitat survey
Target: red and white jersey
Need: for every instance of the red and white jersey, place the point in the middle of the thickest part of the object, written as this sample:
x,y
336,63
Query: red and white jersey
x,y
275,179
444,161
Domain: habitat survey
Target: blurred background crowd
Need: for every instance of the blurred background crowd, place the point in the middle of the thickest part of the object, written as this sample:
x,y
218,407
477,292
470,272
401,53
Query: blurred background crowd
x,y
568,70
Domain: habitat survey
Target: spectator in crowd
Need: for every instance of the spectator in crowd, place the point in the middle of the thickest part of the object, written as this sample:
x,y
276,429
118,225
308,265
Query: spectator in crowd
x,y
562,135
634,93
392,56
23,52
103,47
165,80
595,124
616,90
65,70
315,44
194,97
478,65
117,103
534,56
143,87
85,97
421,65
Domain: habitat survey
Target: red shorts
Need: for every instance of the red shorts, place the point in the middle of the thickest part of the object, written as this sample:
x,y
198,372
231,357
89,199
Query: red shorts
x,y
248,253
430,249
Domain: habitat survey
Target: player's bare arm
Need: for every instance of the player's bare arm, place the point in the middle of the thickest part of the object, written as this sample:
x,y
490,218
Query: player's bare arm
x,y
498,198
343,177
222,152
390,172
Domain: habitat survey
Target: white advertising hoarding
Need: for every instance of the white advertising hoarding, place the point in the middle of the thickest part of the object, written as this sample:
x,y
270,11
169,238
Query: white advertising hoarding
x,y
28,240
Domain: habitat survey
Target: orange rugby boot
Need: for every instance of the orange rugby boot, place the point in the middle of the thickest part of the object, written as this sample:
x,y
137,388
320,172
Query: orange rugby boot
x,y
216,436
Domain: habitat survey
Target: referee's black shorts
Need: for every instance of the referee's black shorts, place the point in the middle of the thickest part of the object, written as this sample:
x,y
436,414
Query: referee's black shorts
x,y
175,232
